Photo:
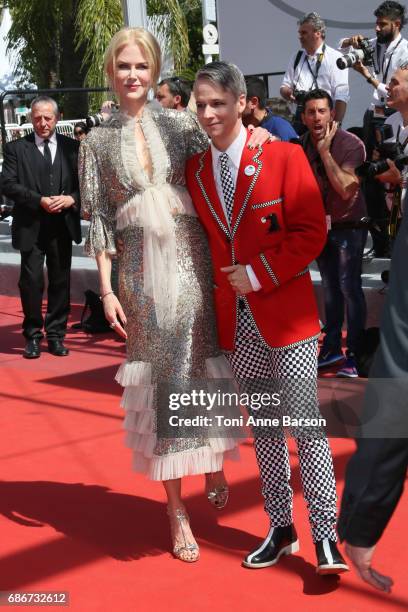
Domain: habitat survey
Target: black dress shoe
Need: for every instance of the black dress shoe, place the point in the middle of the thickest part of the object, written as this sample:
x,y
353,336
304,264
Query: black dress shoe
x,y
32,349
57,348
329,559
279,541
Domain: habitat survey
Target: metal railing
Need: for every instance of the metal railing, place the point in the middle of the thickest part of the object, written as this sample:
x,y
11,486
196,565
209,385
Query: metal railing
x,y
15,131
37,92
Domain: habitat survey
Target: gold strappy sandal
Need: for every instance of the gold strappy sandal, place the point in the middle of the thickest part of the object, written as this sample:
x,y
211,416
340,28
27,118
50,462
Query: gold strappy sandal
x,y
185,552
218,496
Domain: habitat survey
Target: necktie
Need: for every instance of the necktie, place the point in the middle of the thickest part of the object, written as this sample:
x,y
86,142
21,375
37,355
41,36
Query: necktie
x,y
227,185
47,153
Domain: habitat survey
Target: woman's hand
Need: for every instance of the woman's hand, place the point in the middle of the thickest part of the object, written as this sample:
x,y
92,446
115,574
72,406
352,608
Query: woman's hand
x,y
259,136
114,314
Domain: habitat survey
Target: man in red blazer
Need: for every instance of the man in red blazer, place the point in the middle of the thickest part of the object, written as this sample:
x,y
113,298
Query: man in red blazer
x,y
265,222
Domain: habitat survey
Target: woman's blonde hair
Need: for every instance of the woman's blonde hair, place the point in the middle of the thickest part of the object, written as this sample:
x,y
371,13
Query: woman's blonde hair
x,y
137,36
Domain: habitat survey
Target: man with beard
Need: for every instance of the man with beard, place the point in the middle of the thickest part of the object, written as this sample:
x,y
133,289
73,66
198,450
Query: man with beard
x,y
334,154
390,51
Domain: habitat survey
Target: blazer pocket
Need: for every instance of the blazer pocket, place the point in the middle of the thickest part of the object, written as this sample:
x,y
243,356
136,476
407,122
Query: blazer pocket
x,y
269,216
266,204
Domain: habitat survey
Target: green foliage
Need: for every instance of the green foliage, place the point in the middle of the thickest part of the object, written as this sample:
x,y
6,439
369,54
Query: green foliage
x,y
61,41
96,22
35,38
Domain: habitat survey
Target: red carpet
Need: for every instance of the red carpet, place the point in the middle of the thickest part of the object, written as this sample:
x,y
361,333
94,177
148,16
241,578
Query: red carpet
x,y
74,517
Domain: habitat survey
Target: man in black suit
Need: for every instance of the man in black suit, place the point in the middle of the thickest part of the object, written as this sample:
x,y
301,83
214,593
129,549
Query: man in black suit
x,y
377,471
40,175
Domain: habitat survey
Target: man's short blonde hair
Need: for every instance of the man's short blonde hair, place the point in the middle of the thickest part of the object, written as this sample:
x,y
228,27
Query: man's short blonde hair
x,y
138,36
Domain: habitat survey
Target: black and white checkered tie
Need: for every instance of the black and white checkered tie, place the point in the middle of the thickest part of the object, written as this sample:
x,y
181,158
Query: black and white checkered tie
x,y
227,185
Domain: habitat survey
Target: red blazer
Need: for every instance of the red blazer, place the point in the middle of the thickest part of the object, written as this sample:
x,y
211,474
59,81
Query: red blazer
x,y
275,180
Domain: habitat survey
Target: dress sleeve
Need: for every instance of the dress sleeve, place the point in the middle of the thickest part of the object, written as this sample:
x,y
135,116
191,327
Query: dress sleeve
x,y
95,204
196,139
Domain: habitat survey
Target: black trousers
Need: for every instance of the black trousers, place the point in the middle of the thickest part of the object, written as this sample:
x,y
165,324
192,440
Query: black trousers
x,y
374,483
54,246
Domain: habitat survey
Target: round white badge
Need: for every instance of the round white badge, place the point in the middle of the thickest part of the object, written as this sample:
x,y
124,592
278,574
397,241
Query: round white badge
x,y
249,170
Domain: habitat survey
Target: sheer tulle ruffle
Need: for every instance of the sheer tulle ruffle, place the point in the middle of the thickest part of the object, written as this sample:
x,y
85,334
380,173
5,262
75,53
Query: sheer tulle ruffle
x,y
141,437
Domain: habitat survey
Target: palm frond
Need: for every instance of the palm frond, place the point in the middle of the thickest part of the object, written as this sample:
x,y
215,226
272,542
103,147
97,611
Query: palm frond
x,y
96,22
174,28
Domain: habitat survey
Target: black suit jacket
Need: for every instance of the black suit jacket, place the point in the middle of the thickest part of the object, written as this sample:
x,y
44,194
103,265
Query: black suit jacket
x,y
21,183
377,471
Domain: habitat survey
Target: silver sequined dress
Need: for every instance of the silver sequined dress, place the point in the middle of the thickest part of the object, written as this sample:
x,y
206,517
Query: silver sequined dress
x,y
118,198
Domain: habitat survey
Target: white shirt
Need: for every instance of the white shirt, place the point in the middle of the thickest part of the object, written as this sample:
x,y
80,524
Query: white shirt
x,y
400,133
52,144
330,78
386,61
234,153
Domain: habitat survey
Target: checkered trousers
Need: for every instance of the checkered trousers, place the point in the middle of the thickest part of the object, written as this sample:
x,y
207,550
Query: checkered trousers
x,y
292,373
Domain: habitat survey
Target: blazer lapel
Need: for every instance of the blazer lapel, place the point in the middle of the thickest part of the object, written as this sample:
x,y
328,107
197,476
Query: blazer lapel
x,y
206,182
31,154
65,171
248,173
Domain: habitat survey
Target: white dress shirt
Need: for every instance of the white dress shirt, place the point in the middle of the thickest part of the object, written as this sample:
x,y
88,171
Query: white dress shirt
x,y
52,144
234,153
330,78
400,133
386,60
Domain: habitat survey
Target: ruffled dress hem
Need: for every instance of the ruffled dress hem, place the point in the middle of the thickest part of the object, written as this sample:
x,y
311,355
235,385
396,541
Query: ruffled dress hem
x,y
139,424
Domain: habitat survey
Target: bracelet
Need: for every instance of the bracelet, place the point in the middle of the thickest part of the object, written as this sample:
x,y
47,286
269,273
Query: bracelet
x,y
369,79
102,297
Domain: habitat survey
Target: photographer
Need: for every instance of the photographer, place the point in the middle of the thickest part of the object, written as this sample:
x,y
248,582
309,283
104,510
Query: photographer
x,y
314,67
397,177
388,50
334,154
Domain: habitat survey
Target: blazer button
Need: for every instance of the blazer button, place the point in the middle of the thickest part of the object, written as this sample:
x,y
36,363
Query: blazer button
x,y
263,219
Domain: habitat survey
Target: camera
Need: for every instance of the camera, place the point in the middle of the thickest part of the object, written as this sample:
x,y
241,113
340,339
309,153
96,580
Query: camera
x,y
363,54
94,120
390,150
98,118
299,95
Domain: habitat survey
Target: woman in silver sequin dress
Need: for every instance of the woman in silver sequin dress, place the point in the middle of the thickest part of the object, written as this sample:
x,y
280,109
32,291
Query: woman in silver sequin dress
x,y
132,185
